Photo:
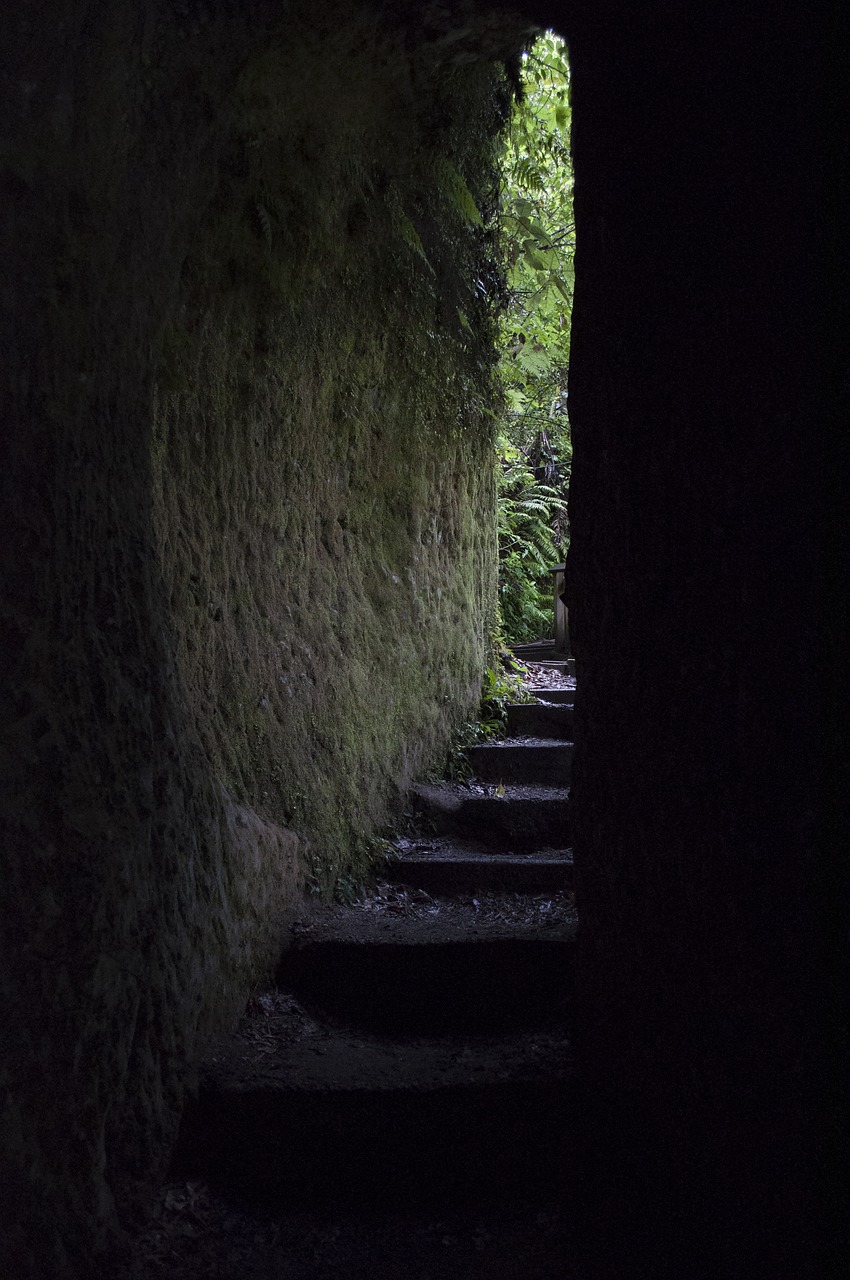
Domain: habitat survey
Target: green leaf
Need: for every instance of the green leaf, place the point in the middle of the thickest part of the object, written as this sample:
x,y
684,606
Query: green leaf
x,y
411,236
454,185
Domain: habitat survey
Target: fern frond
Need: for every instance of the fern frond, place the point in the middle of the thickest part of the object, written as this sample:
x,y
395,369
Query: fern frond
x,y
454,186
264,219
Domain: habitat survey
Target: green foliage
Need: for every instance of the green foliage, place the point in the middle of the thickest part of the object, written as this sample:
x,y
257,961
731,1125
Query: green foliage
x,y
502,685
534,448
529,514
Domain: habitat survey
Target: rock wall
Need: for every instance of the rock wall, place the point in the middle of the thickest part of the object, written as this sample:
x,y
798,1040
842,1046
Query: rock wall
x,y
247,538
324,490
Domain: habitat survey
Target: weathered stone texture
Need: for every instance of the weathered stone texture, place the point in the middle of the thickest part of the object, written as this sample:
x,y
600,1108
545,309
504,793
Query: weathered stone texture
x,y
324,491
247,532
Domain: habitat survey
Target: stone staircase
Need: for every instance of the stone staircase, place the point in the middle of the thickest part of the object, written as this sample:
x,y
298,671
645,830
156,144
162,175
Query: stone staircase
x,y
517,802
422,1056
542,653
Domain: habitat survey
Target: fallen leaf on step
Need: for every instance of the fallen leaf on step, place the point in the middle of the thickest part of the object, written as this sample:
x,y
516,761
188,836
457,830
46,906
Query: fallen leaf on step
x,y
500,790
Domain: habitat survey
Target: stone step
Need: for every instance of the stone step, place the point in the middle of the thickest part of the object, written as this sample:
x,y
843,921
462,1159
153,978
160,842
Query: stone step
x,y
295,1108
424,976
444,866
533,760
556,695
541,720
543,653
524,819
555,671
537,647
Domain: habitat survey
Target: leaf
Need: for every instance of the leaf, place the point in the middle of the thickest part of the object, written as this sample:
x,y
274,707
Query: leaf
x,y
556,281
454,185
535,504
411,236
500,790
533,361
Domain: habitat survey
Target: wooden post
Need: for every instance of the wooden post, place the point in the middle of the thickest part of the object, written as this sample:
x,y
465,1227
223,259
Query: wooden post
x,y
562,630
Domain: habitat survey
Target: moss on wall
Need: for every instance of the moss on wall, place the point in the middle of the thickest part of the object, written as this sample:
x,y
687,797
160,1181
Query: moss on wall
x,y
323,438
247,566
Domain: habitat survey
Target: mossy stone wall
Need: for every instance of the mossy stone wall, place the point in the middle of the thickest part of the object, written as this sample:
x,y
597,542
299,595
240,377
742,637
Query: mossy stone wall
x,y
323,441
247,544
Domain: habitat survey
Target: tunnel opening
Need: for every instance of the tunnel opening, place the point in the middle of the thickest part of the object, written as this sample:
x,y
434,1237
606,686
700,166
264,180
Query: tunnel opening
x,y
534,448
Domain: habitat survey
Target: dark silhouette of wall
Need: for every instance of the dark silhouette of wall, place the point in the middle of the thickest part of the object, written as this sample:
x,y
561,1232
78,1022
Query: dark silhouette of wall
x,y
135,914
697,577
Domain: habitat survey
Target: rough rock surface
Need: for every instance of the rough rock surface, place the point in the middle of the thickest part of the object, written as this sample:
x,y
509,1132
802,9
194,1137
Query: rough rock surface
x,y
248,544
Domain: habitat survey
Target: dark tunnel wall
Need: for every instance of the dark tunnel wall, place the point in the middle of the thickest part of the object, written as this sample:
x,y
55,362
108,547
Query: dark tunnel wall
x,y
697,572
170,316
248,530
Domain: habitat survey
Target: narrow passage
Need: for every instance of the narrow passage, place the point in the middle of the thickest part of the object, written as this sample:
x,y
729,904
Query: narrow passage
x,y
399,1104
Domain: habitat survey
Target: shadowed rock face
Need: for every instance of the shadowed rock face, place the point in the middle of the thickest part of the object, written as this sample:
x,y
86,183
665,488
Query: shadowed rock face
x,y
245,442
248,545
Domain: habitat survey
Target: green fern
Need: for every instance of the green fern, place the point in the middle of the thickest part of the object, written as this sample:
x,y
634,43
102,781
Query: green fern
x,y
458,193
538,237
